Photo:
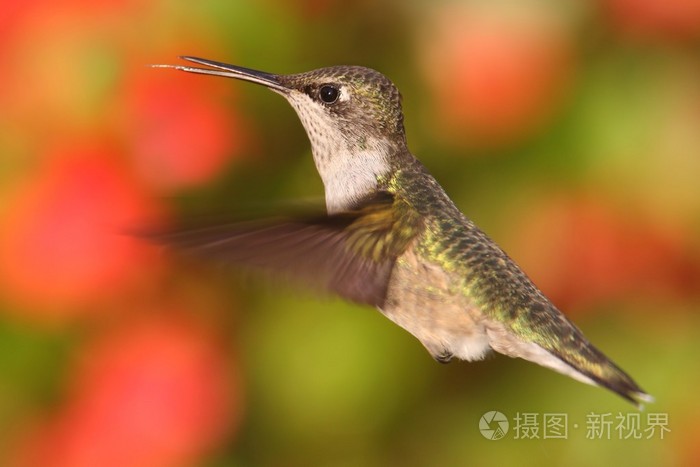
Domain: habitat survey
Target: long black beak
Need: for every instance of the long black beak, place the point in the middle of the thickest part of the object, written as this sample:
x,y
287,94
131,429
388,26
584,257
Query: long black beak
x,y
230,71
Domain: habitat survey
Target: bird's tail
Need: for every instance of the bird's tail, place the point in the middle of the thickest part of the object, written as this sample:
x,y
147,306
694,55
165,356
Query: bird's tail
x,y
590,365
570,353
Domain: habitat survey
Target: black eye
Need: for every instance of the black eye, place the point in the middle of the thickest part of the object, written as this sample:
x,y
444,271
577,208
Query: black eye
x,y
329,93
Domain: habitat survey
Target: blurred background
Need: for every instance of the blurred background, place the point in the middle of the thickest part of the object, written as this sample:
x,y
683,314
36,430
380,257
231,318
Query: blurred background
x,y
569,131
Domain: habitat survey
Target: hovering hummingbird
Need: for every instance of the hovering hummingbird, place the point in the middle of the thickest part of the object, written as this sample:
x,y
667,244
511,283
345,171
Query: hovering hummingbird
x,y
393,239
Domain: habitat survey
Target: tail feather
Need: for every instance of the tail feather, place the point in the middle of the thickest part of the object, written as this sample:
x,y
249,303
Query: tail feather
x,y
578,359
593,364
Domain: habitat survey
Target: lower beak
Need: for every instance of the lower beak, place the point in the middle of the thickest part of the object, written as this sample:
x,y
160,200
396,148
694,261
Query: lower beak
x,y
231,71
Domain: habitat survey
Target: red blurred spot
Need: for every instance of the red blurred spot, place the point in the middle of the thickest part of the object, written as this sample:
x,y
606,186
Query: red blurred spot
x,y
494,78
661,19
182,130
63,239
149,394
61,61
581,251
13,15
316,9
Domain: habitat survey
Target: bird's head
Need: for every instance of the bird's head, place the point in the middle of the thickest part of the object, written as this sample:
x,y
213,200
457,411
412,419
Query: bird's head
x,y
352,115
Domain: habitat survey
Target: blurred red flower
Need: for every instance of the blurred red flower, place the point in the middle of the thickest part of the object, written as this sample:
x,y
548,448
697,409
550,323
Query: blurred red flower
x,y
582,251
64,241
494,78
663,19
150,393
181,128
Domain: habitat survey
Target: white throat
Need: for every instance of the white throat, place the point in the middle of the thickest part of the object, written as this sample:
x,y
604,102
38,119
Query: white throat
x,y
348,175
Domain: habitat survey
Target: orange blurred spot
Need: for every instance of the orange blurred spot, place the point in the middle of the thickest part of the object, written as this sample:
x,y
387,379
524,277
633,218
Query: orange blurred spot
x,y
182,131
661,19
581,251
63,240
494,78
149,394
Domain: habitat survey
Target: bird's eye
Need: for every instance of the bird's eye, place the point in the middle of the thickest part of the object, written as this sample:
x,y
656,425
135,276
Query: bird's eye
x,y
329,93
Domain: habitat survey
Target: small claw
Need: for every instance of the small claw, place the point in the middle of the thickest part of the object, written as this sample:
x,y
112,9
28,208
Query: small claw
x,y
444,357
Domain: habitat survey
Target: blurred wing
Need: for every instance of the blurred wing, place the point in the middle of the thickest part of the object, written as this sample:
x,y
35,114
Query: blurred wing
x,y
351,254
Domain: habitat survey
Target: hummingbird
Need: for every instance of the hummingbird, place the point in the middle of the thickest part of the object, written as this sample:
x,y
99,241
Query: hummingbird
x,y
391,237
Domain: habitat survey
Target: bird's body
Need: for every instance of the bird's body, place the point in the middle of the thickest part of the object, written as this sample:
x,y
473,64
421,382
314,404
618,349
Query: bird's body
x,y
393,239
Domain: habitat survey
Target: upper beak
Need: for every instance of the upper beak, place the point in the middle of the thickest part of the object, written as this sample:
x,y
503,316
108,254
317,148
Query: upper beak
x,y
231,71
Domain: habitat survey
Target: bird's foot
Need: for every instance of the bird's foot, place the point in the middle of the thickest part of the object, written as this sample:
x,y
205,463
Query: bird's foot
x,y
443,357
